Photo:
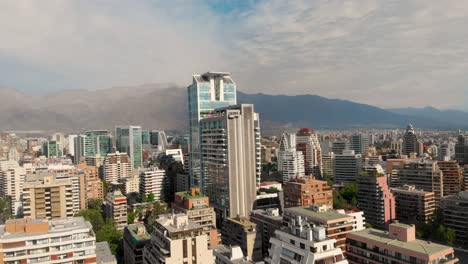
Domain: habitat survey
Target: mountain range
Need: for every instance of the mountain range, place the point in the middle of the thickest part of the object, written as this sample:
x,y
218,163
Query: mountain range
x,y
165,107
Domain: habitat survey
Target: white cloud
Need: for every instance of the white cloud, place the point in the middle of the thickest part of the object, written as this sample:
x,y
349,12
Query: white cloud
x,y
385,53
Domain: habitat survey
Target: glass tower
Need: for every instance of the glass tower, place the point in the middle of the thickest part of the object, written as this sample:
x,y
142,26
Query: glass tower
x,y
128,139
208,92
98,142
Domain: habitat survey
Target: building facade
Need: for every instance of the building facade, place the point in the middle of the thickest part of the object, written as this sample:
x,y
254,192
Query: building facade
x,y
128,139
414,206
307,142
135,238
242,232
347,166
115,208
454,209
307,191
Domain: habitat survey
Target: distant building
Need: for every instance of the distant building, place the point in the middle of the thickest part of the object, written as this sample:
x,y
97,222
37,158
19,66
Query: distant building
x,y
267,221
176,239
52,149
55,241
339,146
302,242
292,165
376,200
135,238
398,243
307,191
461,149
97,142
207,92
454,209
12,177
176,154
242,232
452,176
411,143
197,207
307,142
328,161
128,140
115,207
360,143
414,206
158,139
116,167
347,166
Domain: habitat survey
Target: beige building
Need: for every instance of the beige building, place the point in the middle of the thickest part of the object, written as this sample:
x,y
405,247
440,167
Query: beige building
x,y
115,207
412,205
116,167
11,182
242,232
45,197
94,188
175,240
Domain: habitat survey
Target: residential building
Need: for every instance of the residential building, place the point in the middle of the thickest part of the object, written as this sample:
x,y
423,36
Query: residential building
x,y
398,245
176,239
116,167
128,140
45,197
287,143
336,225
176,154
414,206
152,180
115,207
328,168
135,238
411,143
104,254
307,191
267,221
292,165
66,240
454,209
197,207
452,176
423,174
230,255
347,166
307,142
304,243
12,177
94,188
131,184
359,143
242,232
376,200
229,148
207,92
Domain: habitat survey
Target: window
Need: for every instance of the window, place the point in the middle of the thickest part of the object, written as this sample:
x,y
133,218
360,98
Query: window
x,y
302,246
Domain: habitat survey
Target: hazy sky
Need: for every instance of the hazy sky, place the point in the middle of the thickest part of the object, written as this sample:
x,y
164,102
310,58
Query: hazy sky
x,y
385,53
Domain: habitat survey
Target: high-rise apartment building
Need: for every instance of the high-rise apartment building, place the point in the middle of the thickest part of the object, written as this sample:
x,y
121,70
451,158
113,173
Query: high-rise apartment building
x,y
347,166
461,149
242,232
128,140
359,143
307,142
207,92
229,147
79,151
176,239
67,240
152,180
328,162
197,207
115,207
94,188
45,197
12,177
411,143
452,176
423,174
398,245
454,209
414,206
292,164
135,238
302,242
307,191
376,200
116,167
287,143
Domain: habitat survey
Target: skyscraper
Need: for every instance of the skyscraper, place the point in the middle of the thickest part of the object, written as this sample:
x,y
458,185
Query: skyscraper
x,y
360,143
229,161
347,166
461,149
128,139
158,139
307,142
52,149
98,142
208,92
410,142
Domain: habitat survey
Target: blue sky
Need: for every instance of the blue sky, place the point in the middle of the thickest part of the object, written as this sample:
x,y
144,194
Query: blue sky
x,y
384,53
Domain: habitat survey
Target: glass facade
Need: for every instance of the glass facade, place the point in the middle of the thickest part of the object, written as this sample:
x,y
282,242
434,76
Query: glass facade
x,y
97,142
128,139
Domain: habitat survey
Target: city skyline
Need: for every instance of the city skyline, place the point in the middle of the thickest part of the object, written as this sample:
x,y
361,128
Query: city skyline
x,y
321,51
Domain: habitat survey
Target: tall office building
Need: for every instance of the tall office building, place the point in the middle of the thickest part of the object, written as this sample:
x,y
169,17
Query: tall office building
x,y
347,166
360,143
145,137
52,149
71,144
307,142
158,139
376,200
411,142
339,146
461,149
128,140
79,152
229,148
98,142
207,92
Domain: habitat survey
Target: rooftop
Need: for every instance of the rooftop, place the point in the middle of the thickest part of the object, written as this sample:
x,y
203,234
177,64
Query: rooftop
x,y
104,254
328,216
138,232
418,246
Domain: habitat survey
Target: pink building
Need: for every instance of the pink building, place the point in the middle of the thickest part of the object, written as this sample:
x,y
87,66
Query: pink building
x,y
398,245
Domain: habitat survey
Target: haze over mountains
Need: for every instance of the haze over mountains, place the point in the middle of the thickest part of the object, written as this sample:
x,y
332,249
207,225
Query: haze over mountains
x,y
165,107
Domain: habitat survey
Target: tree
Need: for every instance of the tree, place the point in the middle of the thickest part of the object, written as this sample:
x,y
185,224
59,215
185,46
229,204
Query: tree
x,y
450,236
349,193
94,217
95,204
131,217
151,197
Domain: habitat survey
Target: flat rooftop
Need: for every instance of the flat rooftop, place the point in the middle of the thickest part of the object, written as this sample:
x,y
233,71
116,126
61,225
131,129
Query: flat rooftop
x,y
133,228
382,237
328,216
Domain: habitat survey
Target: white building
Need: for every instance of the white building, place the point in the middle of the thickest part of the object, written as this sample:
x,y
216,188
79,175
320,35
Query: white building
x,y
116,167
152,180
175,240
304,244
307,142
292,164
132,184
12,177
176,154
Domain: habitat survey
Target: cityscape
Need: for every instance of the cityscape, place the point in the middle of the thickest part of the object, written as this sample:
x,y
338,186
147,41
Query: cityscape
x,y
233,132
